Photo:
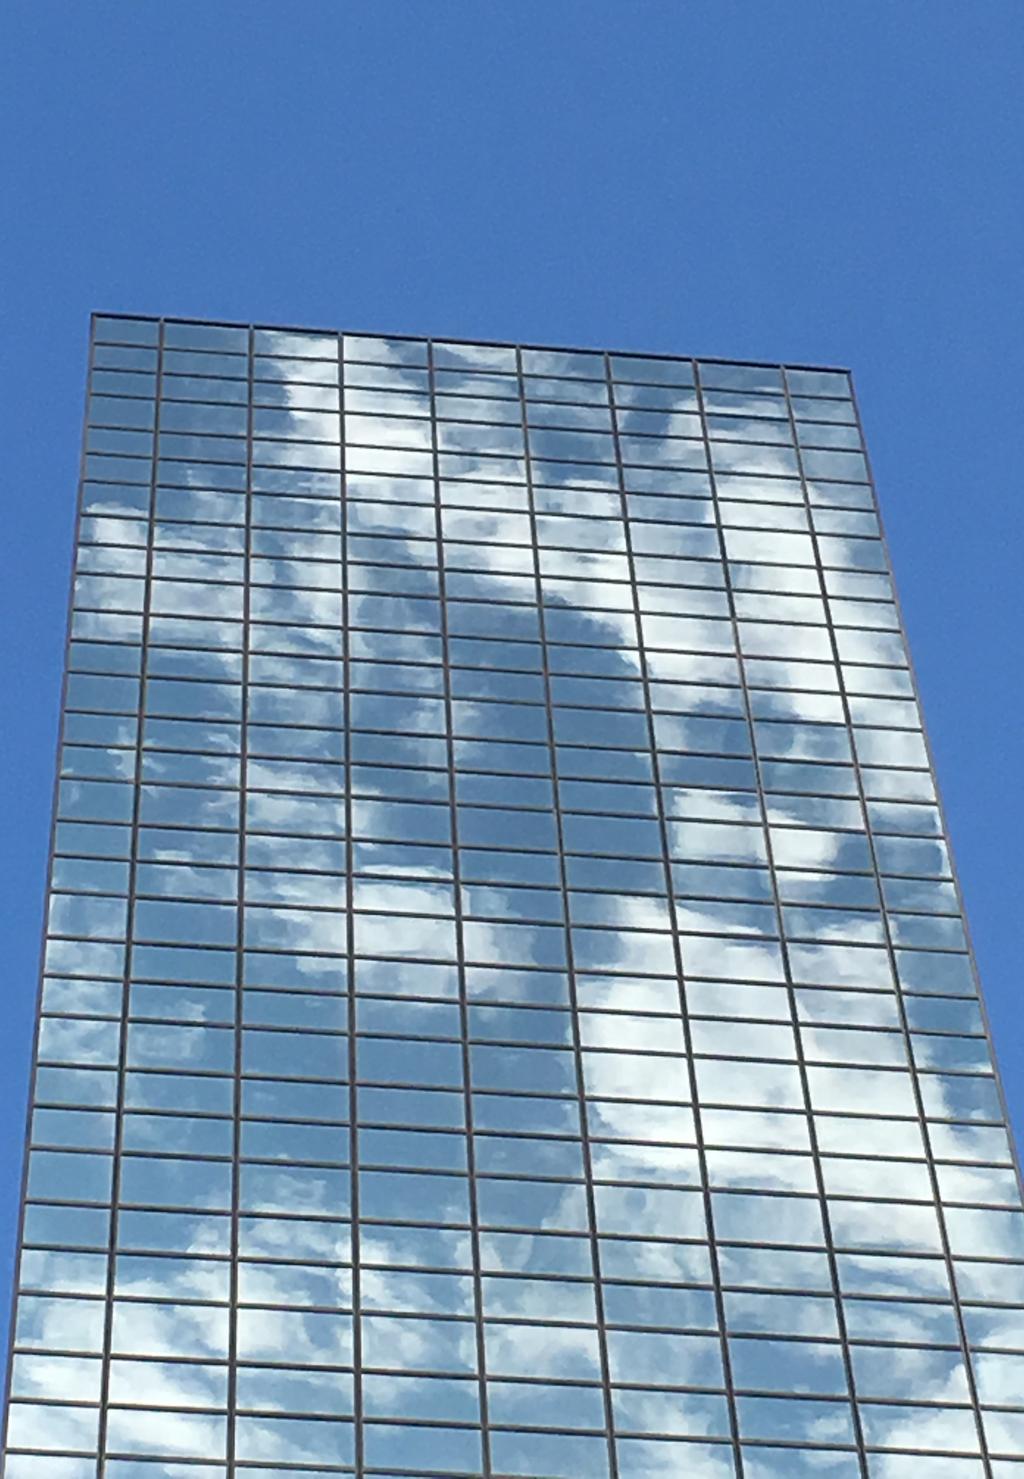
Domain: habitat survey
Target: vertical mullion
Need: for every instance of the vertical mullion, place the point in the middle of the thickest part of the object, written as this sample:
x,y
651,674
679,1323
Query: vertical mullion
x,y
19,1244
115,1191
478,1301
243,807
676,944
889,944
353,1095
1007,1123
801,1063
588,1170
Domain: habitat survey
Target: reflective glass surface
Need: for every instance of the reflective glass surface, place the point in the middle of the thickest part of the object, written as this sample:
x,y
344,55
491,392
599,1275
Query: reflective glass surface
x,y
506,1005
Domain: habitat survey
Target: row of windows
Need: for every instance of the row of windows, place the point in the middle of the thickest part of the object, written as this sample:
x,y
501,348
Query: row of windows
x,y
693,784
331,1445
152,881
959,1109
319,700
570,612
106,678
535,1071
411,627
320,1287
728,959
741,906
317,1101
162,1177
474,356
418,1189
529,1069
444,1347
603,617
448,1297
692,491
307,1034
208,861
969,1102
763,1152
368,390
513,1454
319,925
512,524
599,579
698,619
385,539
191,471
406,421
433,1188
372,566
540,998
158,1225
185,1254
720,846
297,385
804,877
411,630
391,819
577,679
192,1028
801,736
417,609
638,1004
602,572
524,1104
708,674
429,1196
688,490
396,449
436,1345
402,786
426,1187
420,910
487,857
404,1266
316,554
634,1456
212,434
621,688
521,1454
220,489
606,566
328,1391
273,563
622,1014
127,399
373,364
206,864
698,752
498,667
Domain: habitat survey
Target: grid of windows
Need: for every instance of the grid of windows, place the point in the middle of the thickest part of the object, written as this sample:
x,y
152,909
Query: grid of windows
x,y
506,1007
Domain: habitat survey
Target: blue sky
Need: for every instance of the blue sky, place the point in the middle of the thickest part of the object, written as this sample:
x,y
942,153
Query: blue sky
x,y
801,182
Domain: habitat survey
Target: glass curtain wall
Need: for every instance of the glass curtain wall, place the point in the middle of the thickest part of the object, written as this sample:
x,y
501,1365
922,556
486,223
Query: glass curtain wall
x,y
506,1006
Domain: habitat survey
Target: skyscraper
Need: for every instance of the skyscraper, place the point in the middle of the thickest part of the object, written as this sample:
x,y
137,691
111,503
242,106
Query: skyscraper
x,y
506,1007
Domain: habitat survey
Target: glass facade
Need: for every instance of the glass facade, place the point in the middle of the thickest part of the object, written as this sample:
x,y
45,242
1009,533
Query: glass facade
x,y
506,1006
